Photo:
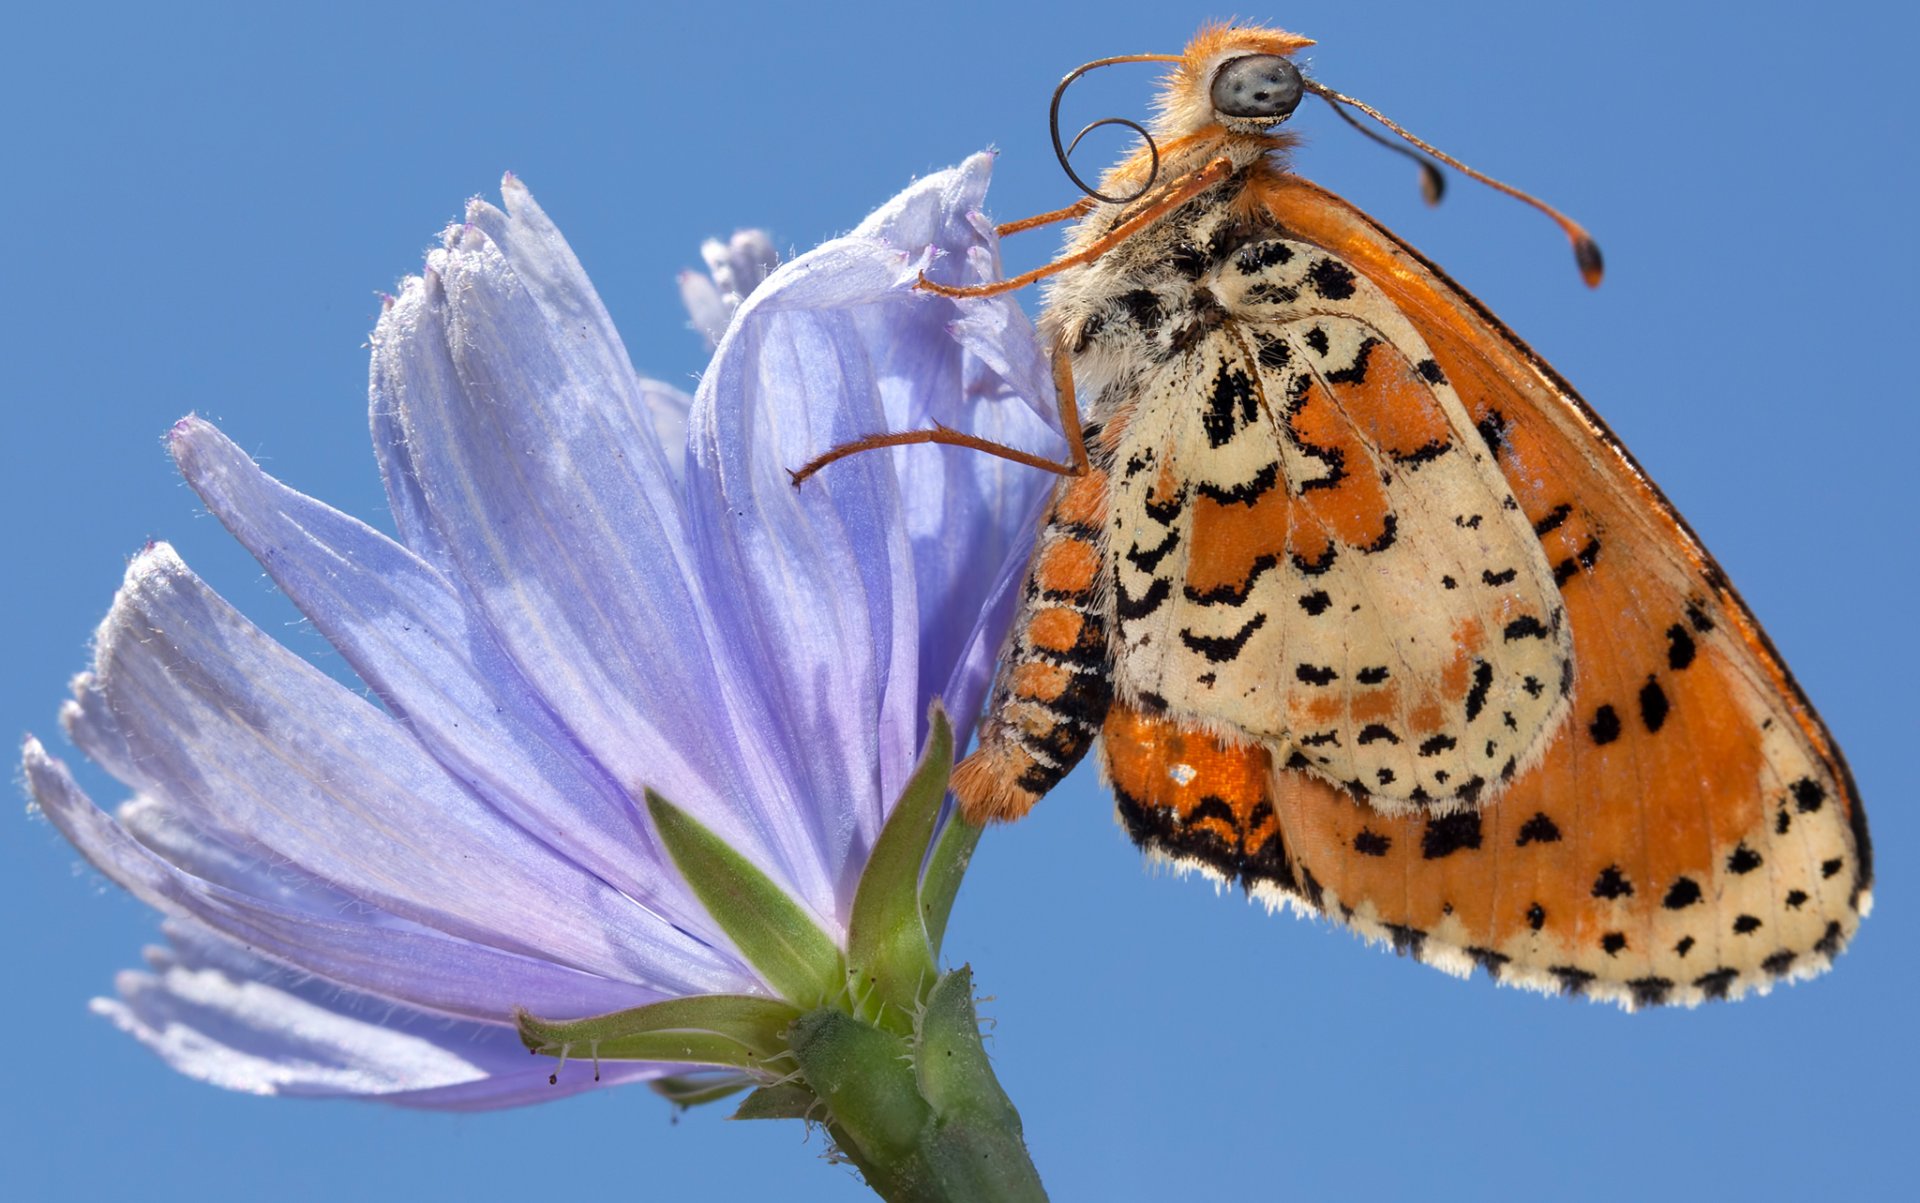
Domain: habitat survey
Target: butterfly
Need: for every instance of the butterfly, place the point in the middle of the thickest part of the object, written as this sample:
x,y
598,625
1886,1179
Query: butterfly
x,y
1368,612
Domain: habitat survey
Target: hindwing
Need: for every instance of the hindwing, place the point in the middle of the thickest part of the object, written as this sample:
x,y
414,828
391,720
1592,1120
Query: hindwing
x,y
1689,832
1313,548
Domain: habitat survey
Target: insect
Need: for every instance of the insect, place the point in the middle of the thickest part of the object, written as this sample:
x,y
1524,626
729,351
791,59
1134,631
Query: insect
x,y
1367,610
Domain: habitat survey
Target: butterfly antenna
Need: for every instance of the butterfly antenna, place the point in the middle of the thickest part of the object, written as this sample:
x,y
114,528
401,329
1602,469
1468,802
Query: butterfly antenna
x,y
1586,252
1064,153
1433,185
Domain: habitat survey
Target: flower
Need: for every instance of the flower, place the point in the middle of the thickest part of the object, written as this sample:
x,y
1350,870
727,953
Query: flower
x,y
581,606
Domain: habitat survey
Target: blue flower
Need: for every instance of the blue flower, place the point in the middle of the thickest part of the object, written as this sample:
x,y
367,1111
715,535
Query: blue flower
x,y
599,587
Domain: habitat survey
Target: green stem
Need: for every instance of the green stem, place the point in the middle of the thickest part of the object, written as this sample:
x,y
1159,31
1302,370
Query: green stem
x,y
924,1119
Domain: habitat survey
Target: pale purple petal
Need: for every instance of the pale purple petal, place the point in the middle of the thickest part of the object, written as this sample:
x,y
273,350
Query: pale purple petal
x,y
257,747
734,269
852,598
973,365
409,635
216,1013
304,923
562,525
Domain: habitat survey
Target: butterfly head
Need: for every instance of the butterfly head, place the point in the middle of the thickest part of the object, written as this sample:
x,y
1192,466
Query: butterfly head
x,y
1234,79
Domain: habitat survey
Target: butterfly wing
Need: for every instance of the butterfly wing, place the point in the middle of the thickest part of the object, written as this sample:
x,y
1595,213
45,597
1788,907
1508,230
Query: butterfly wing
x,y
1690,831
1313,549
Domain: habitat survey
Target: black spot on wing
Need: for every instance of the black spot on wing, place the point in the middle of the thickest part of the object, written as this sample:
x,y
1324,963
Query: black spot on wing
x,y
1612,884
1650,991
1222,649
1537,830
1332,279
1149,559
1245,493
1715,985
1698,619
1744,860
1524,627
1583,559
1231,405
1131,608
1426,452
1477,695
1372,675
1654,706
1257,257
1572,980
1315,603
1557,515
1493,430
1605,727
1684,892
1272,353
1314,674
1448,834
1829,943
1680,649
1406,941
1371,843
1808,795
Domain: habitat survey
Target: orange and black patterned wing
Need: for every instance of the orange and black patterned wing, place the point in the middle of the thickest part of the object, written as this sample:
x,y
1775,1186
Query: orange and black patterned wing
x,y
1690,833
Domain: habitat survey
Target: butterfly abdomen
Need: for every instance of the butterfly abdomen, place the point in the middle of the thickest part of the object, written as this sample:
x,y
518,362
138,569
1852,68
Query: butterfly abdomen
x,y
1055,680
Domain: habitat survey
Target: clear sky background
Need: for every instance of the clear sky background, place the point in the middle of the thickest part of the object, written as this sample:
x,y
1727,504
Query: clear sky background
x,y
202,203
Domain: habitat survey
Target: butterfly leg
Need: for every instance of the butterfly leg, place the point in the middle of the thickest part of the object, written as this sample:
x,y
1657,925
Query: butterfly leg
x,y
1056,673
1079,208
1075,464
1176,195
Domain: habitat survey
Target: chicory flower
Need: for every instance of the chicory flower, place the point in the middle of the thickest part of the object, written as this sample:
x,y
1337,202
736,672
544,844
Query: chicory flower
x,y
601,590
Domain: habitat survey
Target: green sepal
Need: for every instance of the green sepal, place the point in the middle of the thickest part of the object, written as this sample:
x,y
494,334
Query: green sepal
x,y
691,1090
776,935
736,1030
784,1100
889,959
946,866
862,1074
975,1149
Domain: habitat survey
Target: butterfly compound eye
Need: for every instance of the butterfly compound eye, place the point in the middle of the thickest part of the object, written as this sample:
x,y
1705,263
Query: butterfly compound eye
x,y
1257,86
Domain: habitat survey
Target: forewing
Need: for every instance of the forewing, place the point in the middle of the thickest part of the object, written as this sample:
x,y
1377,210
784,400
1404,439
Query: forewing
x,y
1692,831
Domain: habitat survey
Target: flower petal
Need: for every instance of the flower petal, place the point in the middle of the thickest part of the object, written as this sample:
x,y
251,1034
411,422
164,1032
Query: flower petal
x,y
835,345
561,522
408,634
218,1014
302,923
988,376
734,269
260,749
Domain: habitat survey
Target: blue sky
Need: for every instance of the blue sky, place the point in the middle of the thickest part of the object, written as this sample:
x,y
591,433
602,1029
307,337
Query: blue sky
x,y
203,203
